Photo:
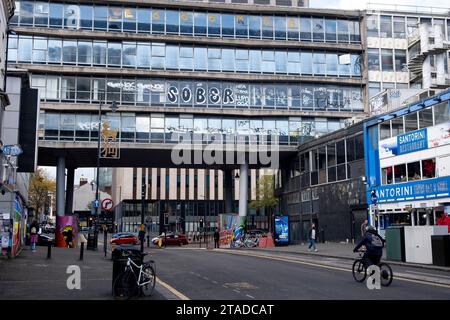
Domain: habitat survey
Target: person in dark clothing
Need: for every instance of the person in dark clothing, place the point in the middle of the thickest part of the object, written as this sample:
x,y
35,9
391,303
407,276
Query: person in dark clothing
x,y
216,238
374,244
68,236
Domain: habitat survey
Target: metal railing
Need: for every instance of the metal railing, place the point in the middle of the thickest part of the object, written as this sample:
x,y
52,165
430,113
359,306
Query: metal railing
x,y
407,8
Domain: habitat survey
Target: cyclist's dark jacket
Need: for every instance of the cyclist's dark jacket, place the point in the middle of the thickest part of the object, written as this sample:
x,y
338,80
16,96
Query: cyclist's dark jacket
x,y
373,242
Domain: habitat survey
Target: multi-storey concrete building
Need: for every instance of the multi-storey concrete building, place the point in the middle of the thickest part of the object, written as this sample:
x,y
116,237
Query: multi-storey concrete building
x,y
392,36
258,68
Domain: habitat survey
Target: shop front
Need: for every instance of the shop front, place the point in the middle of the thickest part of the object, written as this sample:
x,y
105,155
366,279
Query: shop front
x,y
407,164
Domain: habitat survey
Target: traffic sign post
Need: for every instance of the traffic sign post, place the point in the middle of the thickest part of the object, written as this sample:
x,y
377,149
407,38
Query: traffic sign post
x,y
107,204
373,197
374,206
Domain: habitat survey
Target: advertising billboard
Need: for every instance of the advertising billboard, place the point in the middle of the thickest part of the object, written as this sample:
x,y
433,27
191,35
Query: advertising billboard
x,y
281,234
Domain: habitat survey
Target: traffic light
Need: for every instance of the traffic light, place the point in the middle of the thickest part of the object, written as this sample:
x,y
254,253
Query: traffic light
x,y
166,218
201,222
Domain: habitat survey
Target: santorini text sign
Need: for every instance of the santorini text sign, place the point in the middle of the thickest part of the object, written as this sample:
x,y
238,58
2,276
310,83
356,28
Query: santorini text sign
x,y
417,190
412,141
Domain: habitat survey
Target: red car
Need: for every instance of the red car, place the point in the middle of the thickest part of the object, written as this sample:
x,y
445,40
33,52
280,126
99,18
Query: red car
x,y
124,238
172,239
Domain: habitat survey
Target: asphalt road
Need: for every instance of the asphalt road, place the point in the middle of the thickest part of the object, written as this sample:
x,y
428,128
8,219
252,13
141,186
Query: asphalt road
x,y
214,275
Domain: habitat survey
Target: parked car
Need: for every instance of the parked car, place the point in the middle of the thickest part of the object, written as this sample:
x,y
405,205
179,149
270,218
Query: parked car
x,y
124,238
172,239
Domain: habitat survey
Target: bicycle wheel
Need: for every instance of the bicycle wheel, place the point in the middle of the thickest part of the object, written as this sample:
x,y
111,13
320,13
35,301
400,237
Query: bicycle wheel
x,y
125,285
149,278
359,271
385,274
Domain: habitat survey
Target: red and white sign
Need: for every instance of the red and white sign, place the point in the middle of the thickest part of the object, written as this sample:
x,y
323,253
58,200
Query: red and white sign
x,y
107,204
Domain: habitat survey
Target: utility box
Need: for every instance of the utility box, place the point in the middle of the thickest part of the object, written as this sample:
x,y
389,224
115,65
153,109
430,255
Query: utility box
x,y
418,242
441,250
395,243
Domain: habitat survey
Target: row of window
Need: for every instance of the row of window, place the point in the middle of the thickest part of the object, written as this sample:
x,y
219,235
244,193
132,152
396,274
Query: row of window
x,y
401,27
417,170
425,118
377,87
331,162
161,56
166,128
189,93
387,60
181,22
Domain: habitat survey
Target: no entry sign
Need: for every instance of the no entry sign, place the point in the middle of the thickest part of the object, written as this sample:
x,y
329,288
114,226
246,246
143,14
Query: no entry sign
x,y
107,204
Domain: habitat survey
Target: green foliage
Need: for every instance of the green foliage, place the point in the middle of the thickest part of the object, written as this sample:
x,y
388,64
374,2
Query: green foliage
x,y
40,189
265,193
265,196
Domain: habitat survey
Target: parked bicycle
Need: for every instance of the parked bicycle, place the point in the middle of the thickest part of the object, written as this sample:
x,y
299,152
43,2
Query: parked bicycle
x,y
359,270
127,283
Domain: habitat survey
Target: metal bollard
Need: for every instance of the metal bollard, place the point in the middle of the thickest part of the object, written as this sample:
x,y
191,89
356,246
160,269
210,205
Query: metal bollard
x,y
105,242
82,251
49,250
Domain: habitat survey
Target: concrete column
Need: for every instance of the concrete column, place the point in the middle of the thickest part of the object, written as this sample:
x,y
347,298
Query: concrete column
x,y
243,189
228,192
60,185
426,73
69,190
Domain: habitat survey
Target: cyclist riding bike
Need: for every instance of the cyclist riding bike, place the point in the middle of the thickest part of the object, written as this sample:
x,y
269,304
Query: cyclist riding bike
x,y
374,244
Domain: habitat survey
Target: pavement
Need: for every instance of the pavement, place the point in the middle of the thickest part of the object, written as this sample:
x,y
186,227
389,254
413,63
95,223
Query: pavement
x,y
341,250
31,276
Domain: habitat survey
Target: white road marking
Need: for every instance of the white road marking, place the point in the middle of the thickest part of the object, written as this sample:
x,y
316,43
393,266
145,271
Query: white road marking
x,y
215,282
205,278
236,291
251,297
264,256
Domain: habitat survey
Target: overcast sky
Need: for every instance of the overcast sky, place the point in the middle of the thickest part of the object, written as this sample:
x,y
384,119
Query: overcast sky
x,y
86,172
362,4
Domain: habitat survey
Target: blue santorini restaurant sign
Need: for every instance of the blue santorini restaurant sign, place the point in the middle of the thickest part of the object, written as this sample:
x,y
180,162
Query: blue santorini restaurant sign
x,y
412,141
416,190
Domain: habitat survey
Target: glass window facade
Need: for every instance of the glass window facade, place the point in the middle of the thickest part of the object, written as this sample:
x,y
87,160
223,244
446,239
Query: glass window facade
x,y
181,22
425,118
331,162
161,56
162,128
215,94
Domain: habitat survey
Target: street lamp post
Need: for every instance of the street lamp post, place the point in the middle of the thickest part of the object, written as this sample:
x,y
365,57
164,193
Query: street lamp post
x,y
142,230
113,108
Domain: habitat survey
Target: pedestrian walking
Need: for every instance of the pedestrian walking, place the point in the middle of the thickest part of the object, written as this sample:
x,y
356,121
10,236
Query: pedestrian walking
x,y
216,238
312,238
363,227
33,235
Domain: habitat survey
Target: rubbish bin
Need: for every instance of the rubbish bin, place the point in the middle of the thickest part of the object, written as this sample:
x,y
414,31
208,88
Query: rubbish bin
x,y
120,257
395,243
91,242
440,248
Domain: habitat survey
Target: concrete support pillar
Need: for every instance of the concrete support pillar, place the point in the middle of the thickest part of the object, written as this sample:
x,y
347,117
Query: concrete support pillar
x,y
60,185
243,189
228,191
69,190
426,73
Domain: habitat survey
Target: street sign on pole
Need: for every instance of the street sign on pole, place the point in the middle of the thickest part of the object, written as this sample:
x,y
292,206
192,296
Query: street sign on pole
x,y
107,204
95,203
373,197
12,150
